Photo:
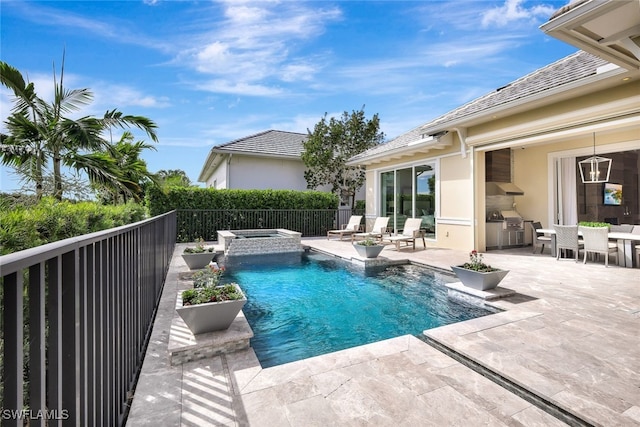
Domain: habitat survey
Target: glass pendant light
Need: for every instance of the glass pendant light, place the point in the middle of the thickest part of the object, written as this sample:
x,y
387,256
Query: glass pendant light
x,y
595,169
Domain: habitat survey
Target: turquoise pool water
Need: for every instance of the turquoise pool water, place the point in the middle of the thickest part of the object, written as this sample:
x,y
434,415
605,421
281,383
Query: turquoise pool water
x,y
304,306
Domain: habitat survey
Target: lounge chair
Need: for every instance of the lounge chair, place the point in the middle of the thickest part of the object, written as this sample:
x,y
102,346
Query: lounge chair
x,y
378,231
353,226
409,234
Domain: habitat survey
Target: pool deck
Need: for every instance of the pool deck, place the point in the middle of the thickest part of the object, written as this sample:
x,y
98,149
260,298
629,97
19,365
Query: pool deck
x,y
568,342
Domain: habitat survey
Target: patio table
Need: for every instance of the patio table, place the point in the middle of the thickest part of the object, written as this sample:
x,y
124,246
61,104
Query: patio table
x,y
626,245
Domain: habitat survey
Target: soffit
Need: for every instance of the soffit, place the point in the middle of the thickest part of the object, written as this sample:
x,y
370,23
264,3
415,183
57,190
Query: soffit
x,y
609,29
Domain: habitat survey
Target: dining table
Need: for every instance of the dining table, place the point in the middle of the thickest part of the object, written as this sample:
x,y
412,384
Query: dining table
x,y
626,245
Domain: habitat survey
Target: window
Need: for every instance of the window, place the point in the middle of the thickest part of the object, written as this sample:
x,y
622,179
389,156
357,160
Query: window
x,y
409,193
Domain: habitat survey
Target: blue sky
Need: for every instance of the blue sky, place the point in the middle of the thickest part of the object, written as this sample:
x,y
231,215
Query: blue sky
x,y
208,72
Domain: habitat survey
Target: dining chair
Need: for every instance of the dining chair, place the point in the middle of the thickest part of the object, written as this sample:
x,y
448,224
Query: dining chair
x,y
539,239
636,230
596,240
567,239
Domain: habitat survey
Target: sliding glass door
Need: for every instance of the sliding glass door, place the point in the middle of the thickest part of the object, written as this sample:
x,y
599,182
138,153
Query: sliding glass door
x,y
409,193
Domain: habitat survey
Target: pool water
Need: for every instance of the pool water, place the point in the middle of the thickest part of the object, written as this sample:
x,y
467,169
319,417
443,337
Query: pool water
x,y
301,306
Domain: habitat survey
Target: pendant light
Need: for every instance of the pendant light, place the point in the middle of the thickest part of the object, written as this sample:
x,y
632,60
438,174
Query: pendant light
x,y
595,169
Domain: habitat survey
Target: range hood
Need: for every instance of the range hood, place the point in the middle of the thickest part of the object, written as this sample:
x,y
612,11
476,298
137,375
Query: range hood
x,y
503,189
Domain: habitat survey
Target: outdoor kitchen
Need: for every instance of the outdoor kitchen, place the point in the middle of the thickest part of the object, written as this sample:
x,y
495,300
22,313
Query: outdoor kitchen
x,y
505,227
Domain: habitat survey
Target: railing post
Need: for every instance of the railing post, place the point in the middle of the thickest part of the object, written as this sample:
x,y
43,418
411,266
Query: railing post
x,y
37,342
13,350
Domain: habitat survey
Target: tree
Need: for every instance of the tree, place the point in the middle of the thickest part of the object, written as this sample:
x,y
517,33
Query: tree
x,y
40,132
331,144
119,171
173,178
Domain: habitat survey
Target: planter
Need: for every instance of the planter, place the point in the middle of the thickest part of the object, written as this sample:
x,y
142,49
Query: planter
x,y
199,260
479,280
368,251
211,316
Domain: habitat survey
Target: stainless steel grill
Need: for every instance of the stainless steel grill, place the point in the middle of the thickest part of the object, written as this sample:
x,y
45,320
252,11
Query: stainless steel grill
x,y
511,221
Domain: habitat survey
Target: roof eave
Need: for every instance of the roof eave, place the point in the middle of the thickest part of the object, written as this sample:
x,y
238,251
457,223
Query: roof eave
x,y
526,103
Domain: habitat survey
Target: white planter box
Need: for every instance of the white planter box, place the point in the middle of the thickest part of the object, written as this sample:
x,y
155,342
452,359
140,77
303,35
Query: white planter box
x,y
198,261
211,316
479,280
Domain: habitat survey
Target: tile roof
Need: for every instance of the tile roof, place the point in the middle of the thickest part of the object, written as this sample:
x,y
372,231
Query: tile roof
x,y
271,142
567,70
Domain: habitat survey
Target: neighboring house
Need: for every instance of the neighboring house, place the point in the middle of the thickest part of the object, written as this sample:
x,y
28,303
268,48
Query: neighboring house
x,y
518,147
266,160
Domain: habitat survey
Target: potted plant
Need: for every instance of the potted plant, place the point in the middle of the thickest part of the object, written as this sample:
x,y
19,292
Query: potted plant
x,y
198,256
368,248
478,275
210,306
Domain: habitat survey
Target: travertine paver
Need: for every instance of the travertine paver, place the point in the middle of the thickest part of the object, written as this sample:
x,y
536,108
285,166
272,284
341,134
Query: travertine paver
x,y
571,334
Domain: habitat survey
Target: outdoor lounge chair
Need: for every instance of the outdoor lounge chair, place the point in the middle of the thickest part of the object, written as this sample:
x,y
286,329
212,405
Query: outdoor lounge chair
x,y
409,234
353,226
378,231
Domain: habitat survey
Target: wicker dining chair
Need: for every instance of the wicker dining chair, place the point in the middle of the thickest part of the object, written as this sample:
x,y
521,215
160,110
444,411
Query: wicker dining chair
x,y
596,240
567,239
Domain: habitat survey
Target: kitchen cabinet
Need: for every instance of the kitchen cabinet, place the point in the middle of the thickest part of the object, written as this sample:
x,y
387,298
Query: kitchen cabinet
x,y
493,230
498,238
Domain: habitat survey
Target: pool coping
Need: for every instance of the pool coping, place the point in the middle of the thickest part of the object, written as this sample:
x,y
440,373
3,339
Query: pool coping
x,y
545,300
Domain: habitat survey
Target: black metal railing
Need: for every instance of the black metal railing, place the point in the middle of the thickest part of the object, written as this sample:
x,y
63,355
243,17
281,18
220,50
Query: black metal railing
x,y
196,223
76,319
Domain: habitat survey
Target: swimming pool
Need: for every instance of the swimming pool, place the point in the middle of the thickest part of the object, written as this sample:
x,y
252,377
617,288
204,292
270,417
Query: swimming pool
x,y
304,305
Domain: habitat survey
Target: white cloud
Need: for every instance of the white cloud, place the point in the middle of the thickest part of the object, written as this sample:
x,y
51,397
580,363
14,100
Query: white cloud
x,y
237,88
514,10
256,43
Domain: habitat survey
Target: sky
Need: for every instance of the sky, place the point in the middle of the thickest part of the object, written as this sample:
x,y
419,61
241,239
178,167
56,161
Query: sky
x,y
210,72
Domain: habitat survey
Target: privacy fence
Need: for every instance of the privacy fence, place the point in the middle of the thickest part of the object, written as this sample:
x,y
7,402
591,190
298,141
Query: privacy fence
x,y
76,318
196,223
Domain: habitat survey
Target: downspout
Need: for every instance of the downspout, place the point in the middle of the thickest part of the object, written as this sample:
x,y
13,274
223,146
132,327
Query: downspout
x,y
228,186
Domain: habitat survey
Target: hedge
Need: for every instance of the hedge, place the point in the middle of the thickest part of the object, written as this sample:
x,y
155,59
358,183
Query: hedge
x,y
160,202
23,227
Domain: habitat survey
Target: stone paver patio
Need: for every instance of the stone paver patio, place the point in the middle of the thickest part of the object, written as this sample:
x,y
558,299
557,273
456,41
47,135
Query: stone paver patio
x,y
568,340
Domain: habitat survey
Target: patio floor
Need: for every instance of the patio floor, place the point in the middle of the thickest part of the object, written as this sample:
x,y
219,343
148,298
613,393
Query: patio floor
x,y
568,340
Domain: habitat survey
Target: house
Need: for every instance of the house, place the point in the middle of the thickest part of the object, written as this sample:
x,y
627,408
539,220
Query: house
x,y
266,160
518,148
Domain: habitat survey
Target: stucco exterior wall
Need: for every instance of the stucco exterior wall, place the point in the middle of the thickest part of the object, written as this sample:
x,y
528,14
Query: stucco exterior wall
x,y
456,193
260,173
218,178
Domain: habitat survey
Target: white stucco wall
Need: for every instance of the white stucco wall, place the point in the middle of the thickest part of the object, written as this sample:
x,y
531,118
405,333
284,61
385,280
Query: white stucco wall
x,y
260,173
218,178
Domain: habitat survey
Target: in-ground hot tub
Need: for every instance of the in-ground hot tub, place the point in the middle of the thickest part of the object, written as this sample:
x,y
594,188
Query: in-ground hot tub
x,y
257,242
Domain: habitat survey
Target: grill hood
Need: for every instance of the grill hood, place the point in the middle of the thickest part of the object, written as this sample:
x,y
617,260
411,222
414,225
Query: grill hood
x,y
503,189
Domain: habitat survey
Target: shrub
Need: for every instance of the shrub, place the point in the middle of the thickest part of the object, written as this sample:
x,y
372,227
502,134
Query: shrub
x,y
23,227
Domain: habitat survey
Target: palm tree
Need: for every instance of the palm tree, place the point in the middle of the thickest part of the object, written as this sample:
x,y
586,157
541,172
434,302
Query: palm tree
x,y
119,169
39,131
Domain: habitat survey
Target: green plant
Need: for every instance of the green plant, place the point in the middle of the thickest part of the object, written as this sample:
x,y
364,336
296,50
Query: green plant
x,y
209,276
228,292
367,242
199,248
594,224
476,264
